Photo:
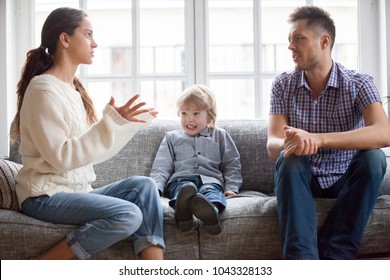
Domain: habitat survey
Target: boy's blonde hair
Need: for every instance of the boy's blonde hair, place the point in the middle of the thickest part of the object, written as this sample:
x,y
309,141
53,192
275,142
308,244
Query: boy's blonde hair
x,y
201,97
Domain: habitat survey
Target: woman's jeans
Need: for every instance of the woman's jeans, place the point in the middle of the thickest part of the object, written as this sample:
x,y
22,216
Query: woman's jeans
x,y
105,215
355,192
213,192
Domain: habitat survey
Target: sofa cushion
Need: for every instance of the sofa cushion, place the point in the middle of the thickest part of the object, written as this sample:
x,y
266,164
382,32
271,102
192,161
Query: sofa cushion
x,y
137,157
8,171
250,230
250,137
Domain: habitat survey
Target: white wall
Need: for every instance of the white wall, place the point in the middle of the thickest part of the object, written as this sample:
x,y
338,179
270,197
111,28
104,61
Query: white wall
x,y
4,75
369,19
15,15
385,48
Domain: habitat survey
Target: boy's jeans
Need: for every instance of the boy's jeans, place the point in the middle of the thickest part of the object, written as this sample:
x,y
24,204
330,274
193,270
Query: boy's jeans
x,y
213,192
355,194
105,215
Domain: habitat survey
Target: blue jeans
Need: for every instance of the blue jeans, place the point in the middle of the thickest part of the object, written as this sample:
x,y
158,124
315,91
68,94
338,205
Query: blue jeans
x,y
355,193
213,192
105,215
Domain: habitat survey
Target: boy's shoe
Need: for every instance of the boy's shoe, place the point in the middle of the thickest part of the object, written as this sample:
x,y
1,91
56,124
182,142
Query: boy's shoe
x,y
183,214
207,213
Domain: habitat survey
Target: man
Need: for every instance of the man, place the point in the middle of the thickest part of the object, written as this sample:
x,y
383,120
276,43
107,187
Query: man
x,y
325,127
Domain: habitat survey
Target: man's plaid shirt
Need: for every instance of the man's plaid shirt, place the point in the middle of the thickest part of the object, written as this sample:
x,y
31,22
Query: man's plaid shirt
x,y
338,108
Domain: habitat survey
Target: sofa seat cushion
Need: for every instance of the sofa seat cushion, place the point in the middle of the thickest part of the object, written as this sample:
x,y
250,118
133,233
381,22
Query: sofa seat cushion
x,y
24,237
376,239
180,245
251,228
8,171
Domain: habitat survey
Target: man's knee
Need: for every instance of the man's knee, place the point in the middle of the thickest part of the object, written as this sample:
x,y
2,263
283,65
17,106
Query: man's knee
x,y
371,161
292,163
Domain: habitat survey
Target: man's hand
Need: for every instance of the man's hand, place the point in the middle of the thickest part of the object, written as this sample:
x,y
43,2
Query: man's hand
x,y
298,142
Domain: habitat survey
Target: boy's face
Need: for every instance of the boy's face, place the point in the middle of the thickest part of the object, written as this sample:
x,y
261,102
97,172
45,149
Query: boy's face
x,y
192,119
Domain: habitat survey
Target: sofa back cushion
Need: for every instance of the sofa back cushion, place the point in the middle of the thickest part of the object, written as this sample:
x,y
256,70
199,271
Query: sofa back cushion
x,y
136,158
250,136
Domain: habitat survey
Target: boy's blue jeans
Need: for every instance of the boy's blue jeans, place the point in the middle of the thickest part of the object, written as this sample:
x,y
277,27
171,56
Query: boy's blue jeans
x,y
105,215
355,193
213,192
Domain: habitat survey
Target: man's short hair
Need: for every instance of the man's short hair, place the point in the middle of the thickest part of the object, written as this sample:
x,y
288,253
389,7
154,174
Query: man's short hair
x,y
316,18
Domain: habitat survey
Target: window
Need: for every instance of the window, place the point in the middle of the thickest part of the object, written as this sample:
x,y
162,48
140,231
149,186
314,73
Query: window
x,y
160,47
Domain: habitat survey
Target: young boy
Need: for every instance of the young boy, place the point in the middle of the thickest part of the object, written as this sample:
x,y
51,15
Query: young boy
x,y
199,165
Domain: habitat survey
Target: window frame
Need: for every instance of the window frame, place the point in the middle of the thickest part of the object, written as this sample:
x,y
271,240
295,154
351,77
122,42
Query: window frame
x,y
136,76
15,15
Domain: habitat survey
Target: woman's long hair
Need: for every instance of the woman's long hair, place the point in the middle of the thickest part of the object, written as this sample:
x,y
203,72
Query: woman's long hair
x,y
40,59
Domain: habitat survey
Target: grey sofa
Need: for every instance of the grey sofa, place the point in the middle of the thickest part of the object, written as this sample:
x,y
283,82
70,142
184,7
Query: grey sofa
x,y
250,225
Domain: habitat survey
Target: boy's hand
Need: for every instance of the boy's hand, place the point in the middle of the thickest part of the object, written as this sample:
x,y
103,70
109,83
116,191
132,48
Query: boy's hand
x,y
229,193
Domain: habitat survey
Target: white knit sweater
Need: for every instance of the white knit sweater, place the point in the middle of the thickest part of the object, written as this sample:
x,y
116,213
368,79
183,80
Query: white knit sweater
x,y
57,146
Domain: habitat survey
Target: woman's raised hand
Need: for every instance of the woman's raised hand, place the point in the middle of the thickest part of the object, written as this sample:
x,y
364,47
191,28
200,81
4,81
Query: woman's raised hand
x,y
131,109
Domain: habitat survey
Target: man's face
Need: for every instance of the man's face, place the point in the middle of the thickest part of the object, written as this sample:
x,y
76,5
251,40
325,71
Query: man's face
x,y
305,45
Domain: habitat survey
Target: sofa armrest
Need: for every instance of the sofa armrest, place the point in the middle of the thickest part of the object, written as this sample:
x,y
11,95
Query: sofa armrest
x,y
8,171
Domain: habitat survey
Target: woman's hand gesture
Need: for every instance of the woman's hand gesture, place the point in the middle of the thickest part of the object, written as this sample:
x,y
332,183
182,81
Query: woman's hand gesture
x,y
130,110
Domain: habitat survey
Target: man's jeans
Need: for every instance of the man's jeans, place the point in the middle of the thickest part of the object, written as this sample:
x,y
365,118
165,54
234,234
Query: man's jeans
x,y
105,215
355,192
213,192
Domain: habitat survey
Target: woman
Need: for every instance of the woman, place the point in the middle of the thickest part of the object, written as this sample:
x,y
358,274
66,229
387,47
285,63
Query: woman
x,y
60,139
